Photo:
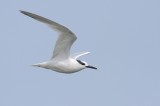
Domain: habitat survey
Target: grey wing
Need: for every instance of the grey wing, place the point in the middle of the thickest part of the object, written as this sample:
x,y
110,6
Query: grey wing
x,y
65,40
77,55
62,47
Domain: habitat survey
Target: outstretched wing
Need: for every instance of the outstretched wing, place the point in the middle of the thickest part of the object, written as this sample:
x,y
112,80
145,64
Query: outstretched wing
x,y
77,55
65,40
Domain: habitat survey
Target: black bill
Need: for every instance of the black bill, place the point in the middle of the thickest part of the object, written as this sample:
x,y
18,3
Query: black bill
x,y
91,67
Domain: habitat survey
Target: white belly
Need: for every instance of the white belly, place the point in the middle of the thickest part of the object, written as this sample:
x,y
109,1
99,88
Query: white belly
x,y
65,66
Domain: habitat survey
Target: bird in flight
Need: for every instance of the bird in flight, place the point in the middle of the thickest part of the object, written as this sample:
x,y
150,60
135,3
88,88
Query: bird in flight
x,y
62,61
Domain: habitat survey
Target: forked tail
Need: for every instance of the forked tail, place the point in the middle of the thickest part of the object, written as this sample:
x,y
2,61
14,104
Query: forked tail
x,y
43,64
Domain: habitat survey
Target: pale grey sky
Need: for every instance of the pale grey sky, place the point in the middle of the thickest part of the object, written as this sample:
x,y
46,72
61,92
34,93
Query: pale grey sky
x,y
123,37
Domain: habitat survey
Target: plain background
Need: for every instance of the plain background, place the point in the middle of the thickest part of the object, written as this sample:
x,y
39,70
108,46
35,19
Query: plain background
x,y
123,37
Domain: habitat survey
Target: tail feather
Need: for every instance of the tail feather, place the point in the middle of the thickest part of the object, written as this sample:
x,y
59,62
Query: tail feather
x,y
43,64
38,65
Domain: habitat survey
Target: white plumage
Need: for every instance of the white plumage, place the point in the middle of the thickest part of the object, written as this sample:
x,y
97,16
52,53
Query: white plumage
x,y
61,61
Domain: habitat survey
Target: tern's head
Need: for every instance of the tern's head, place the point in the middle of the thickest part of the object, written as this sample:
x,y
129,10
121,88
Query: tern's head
x,y
85,64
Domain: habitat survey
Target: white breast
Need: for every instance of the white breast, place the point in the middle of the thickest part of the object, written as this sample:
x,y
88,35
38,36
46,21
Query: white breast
x,y
65,66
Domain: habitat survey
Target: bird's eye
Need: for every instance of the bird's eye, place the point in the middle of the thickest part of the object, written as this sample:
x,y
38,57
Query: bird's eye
x,y
81,62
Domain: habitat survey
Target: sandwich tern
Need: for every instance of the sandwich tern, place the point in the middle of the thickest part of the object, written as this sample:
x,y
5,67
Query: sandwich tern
x,y
62,61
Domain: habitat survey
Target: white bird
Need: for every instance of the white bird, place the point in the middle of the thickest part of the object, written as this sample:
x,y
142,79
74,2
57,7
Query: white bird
x,y
62,61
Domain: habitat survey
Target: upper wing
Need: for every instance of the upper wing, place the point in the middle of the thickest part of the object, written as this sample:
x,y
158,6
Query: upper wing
x,y
77,55
65,40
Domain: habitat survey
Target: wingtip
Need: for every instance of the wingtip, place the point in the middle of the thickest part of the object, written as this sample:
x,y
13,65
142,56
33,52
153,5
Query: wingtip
x,y
21,11
24,12
87,52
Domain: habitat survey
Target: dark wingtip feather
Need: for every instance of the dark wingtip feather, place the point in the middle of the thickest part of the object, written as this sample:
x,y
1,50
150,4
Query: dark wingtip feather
x,y
24,12
21,11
